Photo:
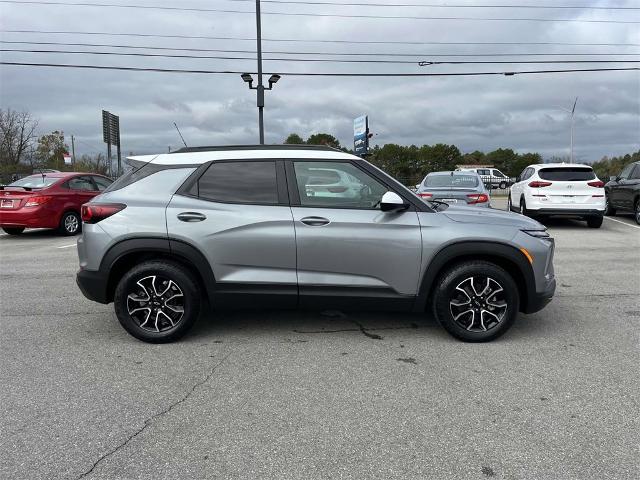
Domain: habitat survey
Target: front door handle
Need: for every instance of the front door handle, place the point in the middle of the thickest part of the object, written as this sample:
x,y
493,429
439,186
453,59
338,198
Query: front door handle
x,y
191,217
315,221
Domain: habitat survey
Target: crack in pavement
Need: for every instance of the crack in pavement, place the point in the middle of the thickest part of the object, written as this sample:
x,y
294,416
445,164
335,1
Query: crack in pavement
x,y
361,328
149,420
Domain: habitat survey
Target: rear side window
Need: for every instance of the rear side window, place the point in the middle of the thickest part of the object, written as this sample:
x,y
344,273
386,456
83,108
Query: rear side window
x,y
240,182
567,174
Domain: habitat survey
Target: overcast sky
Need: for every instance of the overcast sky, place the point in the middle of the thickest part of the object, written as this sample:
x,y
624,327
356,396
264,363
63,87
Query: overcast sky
x,y
484,113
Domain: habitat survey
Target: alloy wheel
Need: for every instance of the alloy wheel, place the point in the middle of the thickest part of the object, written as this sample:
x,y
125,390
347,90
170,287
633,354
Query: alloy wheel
x,y
71,223
156,303
478,303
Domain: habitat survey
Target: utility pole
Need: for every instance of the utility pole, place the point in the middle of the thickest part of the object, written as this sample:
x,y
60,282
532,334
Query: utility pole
x,y
260,89
73,151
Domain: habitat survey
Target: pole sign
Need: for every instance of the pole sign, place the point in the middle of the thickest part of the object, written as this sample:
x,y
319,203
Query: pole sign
x,y
67,158
111,136
361,135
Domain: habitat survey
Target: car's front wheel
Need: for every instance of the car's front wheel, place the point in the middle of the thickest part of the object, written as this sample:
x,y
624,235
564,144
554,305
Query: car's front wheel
x,y
13,230
637,211
476,301
509,203
157,302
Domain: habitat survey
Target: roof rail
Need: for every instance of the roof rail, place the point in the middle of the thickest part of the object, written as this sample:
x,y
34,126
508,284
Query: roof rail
x,y
255,147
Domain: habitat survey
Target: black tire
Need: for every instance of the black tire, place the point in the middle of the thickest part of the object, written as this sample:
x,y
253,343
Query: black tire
x,y
70,224
523,208
509,203
13,230
637,211
608,209
462,326
595,221
502,185
186,296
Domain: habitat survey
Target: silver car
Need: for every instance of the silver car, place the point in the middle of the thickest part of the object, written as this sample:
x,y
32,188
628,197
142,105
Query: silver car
x,y
455,188
239,227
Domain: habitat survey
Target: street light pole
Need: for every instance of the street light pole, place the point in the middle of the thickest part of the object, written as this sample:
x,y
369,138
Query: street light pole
x,y
260,87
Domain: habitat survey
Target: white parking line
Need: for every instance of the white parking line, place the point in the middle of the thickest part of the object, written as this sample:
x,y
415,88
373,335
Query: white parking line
x,y
623,223
67,246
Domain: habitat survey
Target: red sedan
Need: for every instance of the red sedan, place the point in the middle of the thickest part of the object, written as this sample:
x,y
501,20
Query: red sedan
x,y
48,200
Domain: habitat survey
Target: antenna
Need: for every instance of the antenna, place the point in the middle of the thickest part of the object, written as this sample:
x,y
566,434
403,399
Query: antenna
x,y
181,137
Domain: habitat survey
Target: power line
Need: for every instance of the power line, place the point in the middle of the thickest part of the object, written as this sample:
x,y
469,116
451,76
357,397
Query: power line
x,y
342,54
323,15
438,5
317,60
318,74
298,40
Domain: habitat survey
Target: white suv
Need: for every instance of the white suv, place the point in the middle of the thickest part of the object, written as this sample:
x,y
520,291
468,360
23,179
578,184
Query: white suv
x,y
559,189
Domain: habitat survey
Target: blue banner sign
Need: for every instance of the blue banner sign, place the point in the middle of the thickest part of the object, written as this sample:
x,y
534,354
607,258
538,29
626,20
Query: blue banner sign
x,y
361,135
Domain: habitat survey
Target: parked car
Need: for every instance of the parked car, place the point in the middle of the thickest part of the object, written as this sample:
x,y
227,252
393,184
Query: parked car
x,y
460,187
329,182
492,177
559,189
236,226
48,200
623,192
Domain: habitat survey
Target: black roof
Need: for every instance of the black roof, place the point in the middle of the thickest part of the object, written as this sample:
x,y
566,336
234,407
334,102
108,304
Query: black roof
x,y
256,147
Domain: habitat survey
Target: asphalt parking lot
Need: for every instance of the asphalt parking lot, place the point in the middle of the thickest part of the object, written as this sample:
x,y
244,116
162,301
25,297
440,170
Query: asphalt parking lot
x,y
310,395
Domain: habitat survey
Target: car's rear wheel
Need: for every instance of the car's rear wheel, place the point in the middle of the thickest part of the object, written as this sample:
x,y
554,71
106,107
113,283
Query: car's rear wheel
x,y
523,208
637,211
503,185
608,209
594,222
13,230
157,302
70,224
476,301
509,203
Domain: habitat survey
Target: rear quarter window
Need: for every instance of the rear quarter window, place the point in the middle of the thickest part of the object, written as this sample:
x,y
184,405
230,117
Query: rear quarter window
x,y
567,174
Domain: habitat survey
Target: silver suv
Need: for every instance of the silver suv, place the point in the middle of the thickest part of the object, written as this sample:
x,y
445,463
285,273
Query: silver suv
x,y
247,227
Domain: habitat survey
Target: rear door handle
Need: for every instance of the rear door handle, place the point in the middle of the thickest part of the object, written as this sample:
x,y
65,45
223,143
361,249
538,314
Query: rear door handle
x,y
315,221
191,217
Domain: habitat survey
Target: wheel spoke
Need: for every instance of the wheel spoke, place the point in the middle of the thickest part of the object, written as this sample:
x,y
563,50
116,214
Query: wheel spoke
x,y
150,309
487,307
461,314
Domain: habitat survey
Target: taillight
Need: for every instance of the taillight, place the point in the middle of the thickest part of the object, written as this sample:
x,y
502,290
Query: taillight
x,y
597,184
425,195
537,184
37,201
95,212
477,198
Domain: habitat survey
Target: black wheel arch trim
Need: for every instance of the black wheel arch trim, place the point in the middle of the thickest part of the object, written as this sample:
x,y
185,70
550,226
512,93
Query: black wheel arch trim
x,y
180,250
480,250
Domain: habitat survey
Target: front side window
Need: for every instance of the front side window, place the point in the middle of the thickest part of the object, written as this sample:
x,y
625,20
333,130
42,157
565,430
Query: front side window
x,y
498,173
567,174
635,175
102,183
240,182
337,184
624,175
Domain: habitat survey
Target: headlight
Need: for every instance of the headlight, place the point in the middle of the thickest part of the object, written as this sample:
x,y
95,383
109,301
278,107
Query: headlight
x,y
537,233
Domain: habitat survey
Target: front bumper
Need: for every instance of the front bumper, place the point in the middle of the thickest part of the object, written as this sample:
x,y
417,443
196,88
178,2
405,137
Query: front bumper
x,y
93,285
538,300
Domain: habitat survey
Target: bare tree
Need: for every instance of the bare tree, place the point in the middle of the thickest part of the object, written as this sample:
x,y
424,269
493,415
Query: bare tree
x,y
17,133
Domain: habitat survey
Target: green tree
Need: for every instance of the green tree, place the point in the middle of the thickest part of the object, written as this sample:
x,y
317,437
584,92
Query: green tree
x,y
323,139
50,150
294,139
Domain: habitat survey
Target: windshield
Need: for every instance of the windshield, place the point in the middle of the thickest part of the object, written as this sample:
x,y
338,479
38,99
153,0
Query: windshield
x,y
567,174
453,181
35,181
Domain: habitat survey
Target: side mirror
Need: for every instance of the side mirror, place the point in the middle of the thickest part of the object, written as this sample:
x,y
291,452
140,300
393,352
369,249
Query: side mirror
x,y
613,179
391,201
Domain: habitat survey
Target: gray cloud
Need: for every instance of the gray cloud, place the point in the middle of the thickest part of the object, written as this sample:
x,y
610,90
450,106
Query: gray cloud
x,y
472,112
